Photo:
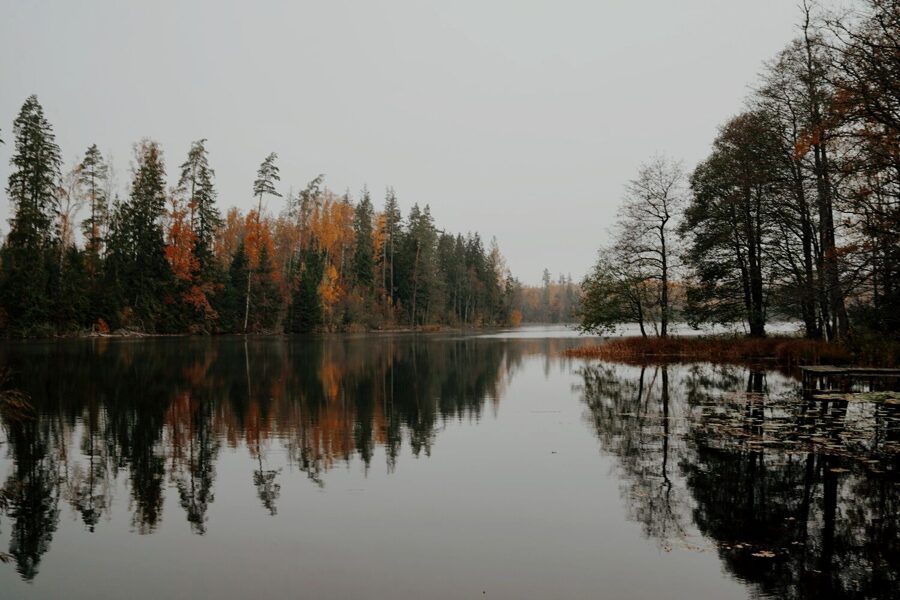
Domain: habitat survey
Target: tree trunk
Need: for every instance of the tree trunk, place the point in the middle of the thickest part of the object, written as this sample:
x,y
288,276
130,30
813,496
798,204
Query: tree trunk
x,y
839,326
640,316
247,299
249,263
412,311
664,292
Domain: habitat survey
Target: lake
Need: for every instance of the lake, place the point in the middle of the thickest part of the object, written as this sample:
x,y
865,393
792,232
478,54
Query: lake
x,y
438,466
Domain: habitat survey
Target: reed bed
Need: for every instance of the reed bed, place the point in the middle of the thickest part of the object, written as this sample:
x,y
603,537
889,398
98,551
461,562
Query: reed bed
x,y
781,350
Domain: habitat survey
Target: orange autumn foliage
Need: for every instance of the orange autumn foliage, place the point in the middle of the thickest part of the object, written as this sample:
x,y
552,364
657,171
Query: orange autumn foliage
x,y
230,236
258,235
330,291
180,241
180,244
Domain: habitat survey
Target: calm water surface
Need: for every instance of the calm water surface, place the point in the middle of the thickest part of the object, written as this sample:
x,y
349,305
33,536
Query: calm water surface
x,y
434,467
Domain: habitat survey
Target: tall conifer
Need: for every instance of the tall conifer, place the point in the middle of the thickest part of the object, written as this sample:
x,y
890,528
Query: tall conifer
x,y
32,190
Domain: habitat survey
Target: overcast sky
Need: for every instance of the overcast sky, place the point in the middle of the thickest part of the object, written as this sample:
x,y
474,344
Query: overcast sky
x,y
519,119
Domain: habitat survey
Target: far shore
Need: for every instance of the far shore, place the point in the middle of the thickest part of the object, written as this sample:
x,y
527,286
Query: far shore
x,y
136,333
783,351
727,347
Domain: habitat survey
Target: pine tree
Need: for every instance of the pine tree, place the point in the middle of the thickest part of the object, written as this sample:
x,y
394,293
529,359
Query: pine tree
x,y
264,185
93,176
196,182
392,220
32,189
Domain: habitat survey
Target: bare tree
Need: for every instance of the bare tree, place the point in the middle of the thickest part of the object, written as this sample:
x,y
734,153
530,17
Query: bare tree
x,y
70,201
647,220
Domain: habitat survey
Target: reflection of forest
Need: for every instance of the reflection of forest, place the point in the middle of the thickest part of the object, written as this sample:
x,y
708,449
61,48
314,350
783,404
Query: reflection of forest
x,y
158,412
800,498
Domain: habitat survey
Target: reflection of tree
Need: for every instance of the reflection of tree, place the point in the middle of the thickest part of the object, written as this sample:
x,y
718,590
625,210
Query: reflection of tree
x,y
631,414
31,494
194,449
137,425
801,498
89,492
830,518
157,412
267,489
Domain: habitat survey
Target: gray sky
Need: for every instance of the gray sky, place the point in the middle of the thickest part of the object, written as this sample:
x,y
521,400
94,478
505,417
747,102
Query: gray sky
x,y
519,119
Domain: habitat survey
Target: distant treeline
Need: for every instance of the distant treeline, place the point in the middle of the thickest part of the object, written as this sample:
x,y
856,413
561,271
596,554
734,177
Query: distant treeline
x,y
551,302
79,257
794,214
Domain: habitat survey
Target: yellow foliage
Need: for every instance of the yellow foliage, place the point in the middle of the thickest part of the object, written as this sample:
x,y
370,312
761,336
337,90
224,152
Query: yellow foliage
x,y
329,288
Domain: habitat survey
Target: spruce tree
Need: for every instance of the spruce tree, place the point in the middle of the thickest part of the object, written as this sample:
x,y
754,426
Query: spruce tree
x,y
33,183
265,297
138,254
230,303
305,311
73,308
363,259
117,259
32,190
418,263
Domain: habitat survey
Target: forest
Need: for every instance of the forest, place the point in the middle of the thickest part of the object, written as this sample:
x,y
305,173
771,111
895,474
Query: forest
x,y
795,213
79,257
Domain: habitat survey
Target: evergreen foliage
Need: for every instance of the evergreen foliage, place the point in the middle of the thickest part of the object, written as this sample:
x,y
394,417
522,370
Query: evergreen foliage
x,y
137,245
27,256
196,181
164,260
363,258
305,313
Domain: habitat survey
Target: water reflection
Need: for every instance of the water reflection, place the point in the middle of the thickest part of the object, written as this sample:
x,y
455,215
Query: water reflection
x,y
799,497
159,412
796,497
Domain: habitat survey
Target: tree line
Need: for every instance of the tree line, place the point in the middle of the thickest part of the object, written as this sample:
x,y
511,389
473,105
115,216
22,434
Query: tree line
x,y
554,301
79,256
795,213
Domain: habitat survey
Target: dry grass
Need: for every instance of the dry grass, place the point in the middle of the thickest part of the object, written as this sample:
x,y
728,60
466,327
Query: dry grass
x,y
783,351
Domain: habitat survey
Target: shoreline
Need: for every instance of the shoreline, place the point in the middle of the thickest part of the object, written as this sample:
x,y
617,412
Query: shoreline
x,y
123,334
782,351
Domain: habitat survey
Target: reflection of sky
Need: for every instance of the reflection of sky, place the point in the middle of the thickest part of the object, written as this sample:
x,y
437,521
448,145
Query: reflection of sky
x,y
522,120
517,471
518,503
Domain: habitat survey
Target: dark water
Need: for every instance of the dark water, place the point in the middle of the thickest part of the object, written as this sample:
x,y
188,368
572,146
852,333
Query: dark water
x,y
434,467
